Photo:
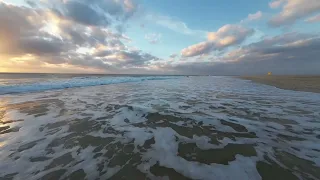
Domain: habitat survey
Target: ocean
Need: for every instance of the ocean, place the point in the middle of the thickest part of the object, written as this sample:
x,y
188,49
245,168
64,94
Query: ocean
x,y
63,126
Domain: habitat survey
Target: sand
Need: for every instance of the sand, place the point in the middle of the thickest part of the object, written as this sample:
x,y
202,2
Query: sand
x,y
296,83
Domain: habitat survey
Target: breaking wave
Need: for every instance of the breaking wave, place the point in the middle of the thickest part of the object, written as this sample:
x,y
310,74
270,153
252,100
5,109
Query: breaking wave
x,y
73,83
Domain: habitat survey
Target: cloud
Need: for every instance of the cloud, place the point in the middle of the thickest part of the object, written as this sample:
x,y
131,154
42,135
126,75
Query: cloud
x,y
122,10
275,4
197,49
226,36
31,3
103,53
54,34
313,19
129,59
173,55
229,35
104,13
47,38
153,38
290,53
41,47
19,32
85,14
292,10
253,17
10,13
86,61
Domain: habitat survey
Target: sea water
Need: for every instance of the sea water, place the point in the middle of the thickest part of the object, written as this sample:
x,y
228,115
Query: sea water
x,y
156,127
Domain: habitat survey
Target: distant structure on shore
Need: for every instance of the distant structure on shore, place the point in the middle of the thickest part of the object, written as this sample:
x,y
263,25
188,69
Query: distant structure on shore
x,y
269,73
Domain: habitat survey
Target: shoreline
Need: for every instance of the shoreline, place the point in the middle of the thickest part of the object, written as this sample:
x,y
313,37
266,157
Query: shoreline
x,y
295,83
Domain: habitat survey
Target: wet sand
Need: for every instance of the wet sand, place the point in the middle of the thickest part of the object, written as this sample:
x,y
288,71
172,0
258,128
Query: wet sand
x,y
296,83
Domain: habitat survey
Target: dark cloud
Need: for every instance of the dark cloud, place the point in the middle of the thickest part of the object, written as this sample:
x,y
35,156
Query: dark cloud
x,y
87,61
76,34
134,58
103,53
19,34
85,14
281,39
97,12
14,22
83,36
41,47
31,3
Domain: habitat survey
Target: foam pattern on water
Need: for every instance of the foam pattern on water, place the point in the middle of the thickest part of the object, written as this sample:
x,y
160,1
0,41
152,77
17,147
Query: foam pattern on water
x,y
186,128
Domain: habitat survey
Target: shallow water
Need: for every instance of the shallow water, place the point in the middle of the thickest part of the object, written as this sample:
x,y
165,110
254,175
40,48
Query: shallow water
x,y
180,128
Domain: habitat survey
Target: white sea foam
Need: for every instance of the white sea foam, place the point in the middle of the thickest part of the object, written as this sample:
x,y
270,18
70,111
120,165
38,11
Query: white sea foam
x,y
124,106
165,152
72,83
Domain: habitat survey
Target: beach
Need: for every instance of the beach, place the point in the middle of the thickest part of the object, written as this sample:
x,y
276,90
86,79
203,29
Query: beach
x,y
176,127
159,90
296,83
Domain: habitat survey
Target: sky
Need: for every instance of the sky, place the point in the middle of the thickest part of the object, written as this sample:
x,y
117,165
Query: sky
x,y
207,37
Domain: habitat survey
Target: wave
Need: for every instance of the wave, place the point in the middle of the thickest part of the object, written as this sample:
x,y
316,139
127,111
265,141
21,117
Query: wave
x,y
73,83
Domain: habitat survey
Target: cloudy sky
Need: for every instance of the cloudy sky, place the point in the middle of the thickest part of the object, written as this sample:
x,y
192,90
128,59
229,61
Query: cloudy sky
x,y
218,37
